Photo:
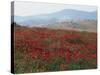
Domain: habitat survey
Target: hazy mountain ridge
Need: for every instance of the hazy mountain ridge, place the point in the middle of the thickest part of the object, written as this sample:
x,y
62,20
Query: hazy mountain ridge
x,y
65,19
55,17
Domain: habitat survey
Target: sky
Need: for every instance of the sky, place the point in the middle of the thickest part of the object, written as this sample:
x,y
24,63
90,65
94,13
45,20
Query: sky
x,y
34,8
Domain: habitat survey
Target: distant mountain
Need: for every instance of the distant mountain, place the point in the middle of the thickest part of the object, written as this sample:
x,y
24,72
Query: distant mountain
x,y
52,18
75,14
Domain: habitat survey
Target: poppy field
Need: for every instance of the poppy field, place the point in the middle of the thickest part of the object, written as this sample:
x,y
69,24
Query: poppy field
x,y
43,50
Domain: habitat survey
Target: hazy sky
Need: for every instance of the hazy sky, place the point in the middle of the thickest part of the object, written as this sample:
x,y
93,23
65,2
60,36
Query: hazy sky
x,y
31,8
